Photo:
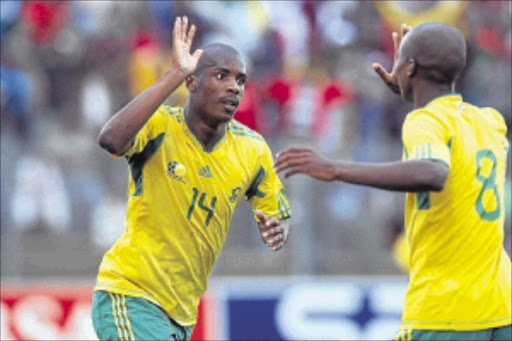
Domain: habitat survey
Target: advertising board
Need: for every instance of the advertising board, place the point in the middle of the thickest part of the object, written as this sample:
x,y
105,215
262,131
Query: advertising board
x,y
40,311
291,308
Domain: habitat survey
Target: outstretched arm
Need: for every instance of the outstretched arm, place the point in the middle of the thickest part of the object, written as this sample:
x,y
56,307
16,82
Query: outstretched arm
x,y
406,176
118,133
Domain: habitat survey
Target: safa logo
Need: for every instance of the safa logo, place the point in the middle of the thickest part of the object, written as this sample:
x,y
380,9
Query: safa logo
x,y
176,171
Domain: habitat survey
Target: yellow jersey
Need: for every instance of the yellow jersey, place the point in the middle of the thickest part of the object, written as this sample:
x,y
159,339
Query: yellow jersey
x,y
400,252
460,274
181,199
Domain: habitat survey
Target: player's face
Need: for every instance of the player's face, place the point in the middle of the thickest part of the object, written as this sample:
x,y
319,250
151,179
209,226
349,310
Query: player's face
x,y
220,87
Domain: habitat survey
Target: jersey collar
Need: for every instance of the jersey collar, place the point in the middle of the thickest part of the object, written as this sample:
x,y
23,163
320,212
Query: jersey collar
x,y
196,138
452,97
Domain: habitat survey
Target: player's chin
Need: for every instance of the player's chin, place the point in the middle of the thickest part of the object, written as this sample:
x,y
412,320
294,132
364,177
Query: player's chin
x,y
224,115
229,114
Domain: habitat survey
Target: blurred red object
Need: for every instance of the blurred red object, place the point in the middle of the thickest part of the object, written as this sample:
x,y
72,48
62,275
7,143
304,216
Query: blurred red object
x,y
333,92
44,19
280,91
248,111
489,40
329,92
144,39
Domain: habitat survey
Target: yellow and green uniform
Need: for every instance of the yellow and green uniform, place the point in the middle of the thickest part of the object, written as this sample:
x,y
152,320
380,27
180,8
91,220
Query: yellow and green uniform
x,y
181,199
460,274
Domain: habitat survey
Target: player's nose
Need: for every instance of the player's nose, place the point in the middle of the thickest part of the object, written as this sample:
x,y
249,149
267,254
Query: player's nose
x,y
233,86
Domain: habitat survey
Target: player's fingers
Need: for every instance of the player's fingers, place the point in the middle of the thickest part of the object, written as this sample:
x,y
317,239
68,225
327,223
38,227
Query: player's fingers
x,y
292,151
272,231
271,238
190,36
262,218
272,222
281,164
292,162
396,41
184,25
197,54
386,77
278,244
298,150
177,29
405,29
383,74
278,247
271,228
293,171
282,159
276,240
290,156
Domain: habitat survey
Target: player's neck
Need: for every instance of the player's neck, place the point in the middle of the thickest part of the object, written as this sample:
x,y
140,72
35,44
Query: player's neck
x,y
208,133
424,92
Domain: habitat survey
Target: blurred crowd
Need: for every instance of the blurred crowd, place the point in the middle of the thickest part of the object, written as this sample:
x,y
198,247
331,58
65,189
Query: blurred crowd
x,y
67,66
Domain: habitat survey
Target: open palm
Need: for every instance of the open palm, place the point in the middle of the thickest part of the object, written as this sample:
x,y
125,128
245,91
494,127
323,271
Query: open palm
x,y
391,78
182,40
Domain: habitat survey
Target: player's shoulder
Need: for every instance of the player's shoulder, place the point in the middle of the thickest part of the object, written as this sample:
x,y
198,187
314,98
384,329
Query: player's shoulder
x,y
494,118
419,112
426,114
241,131
442,109
168,117
175,112
250,141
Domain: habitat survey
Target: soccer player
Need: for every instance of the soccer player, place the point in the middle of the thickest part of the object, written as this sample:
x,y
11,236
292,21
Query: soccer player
x,y
453,171
189,169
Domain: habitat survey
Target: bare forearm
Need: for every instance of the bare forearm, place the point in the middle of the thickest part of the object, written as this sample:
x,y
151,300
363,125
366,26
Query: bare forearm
x,y
407,176
118,133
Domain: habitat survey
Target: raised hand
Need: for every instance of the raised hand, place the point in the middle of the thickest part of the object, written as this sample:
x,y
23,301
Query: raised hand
x,y
390,78
274,232
305,161
182,40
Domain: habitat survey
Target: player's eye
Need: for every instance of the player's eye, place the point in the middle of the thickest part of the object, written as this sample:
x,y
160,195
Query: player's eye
x,y
220,76
241,81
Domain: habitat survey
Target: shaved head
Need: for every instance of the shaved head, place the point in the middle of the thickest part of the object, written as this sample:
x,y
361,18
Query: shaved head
x,y
216,53
438,50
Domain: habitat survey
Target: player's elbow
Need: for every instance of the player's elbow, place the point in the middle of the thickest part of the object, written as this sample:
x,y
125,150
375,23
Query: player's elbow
x,y
435,178
107,141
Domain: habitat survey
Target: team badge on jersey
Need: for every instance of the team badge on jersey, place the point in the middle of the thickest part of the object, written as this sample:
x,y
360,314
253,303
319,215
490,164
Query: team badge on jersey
x,y
176,171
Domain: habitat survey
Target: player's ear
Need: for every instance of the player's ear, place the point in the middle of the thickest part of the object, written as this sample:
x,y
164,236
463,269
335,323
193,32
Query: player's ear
x,y
191,83
411,68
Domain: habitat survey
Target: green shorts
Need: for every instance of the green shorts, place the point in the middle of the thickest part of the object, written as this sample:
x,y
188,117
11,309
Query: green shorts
x,y
121,317
493,334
